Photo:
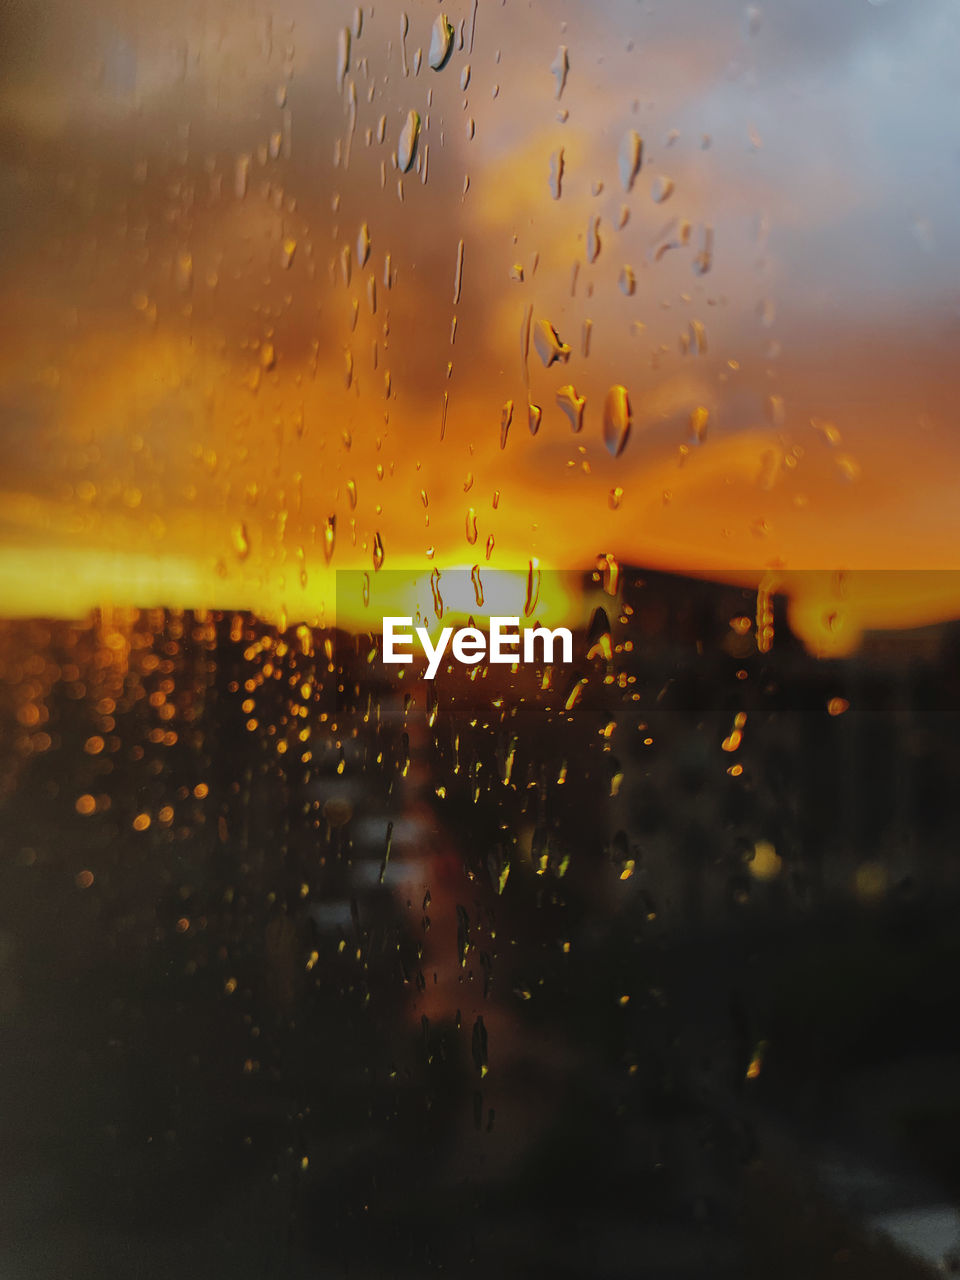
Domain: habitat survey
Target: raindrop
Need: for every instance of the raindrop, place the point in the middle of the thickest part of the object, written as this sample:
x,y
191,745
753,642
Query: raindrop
x,y
377,551
572,405
593,239
437,597
662,189
698,423
441,42
490,545
559,68
343,57
556,173
506,417
609,568
703,258
534,414
388,843
471,526
407,146
329,538
363,245
458,274
627,281
464,77
241,540
616,420
698,337
599,635
675,235
352,494
615,497
479,1045
404,28
289,249
533,588
548,344
477,585
630,158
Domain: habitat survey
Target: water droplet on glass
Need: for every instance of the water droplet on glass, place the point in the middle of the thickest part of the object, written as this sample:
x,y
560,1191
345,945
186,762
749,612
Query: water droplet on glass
x,y
404,28
377,551
627,281
593,239
506,417
556,173
662,189
698,423
697,337
363,245
343,57
534,414
629,158
471,526
533,588
675,235
599,636
490,546
441,42
572,405
407,146
616,420
329,538
548,344
437,597
458,274
559,68
477,585
241,540
703,258
615,497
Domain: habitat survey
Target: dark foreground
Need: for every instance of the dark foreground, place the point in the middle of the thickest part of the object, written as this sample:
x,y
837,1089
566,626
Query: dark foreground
x,y
487,986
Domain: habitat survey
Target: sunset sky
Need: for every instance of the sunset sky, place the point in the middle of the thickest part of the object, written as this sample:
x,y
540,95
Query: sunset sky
x,y
192,373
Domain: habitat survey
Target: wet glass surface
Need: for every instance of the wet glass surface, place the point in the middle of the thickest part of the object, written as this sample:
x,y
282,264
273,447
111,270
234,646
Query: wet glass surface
x,y
637,319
